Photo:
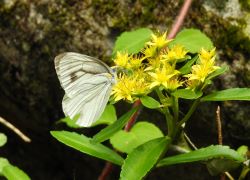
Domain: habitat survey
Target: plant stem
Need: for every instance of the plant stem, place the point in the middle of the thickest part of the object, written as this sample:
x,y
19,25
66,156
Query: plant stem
x,y
170,122
244,173
133,119
180,18
190,112
176,109
106,171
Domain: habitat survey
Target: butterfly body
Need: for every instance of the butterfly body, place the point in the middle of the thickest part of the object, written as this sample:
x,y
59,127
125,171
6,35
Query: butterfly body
x,y
87,82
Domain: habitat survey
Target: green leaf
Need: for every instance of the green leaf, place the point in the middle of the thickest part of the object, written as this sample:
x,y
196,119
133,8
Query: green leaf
x,y
3,139
143,158
139,134
150,102
187,94
188,66
203,154
193,40
83,144
108,116
220,165
107,132
3,162
229,94
14,173
242,150
218,72
69,122
132,42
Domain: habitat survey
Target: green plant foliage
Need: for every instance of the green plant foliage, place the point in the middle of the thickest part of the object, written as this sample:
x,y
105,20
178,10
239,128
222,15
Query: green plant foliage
x,y
139,134
229,94
218,72
242,150
150,102
139,162
83,144
108,116
3,139
220,165
69,122
171,70
187,94
132,42
11,172
203,154
107,132
14,173
3,162
185,69
193,40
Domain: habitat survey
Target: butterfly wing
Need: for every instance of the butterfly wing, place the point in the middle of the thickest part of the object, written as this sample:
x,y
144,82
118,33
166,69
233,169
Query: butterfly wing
x,y
87,83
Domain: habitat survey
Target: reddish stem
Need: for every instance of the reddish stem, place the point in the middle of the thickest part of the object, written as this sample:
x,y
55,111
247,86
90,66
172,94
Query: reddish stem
x,y
106,171
175,28
180,19
132,120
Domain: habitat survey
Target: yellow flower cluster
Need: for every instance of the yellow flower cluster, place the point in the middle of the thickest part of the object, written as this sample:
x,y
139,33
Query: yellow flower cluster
x,y
204,67
130,87
175,54
156,68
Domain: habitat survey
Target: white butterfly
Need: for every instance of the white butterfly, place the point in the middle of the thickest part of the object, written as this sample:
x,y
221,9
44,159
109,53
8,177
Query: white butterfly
x,y
87,82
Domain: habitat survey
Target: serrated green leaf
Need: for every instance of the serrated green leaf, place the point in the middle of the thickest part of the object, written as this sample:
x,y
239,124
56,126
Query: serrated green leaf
x,y
110,130
203,154
188,66
242,94
108,116
187,94
83,144
3,139
132,42
150,102
14,173
193,40
143,158
139,134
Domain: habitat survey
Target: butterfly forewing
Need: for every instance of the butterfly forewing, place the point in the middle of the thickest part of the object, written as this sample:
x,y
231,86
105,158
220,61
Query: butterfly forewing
x,y
87,82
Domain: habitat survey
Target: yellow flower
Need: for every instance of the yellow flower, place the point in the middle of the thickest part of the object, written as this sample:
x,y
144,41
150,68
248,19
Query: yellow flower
x,y
149,51
131,87
140,84
173,83
175,53
159,41
206,55
121,90
202,69
135,62
122,59
161,76
153,63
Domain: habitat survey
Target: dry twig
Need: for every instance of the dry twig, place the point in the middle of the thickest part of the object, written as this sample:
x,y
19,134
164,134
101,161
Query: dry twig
x,y
17,131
